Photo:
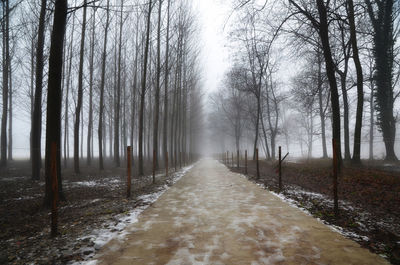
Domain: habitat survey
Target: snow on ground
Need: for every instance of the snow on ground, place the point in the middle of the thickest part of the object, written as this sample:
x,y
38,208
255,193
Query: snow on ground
x,y
113,182
24,198
115,228
21,178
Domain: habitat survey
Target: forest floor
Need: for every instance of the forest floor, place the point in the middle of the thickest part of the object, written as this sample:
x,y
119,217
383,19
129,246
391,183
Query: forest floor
x,y
369,198
95,210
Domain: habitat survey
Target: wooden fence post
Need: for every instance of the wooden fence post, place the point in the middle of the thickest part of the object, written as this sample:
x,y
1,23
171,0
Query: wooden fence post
x,y
280,169
233,161
258,166
166,164
54,186
180,159
335,178
154,166
245,162
129,171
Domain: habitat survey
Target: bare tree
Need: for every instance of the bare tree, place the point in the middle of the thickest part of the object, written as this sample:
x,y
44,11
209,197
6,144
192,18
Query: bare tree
x,y
36,123
91,73
53,119
158,87
322,27
6,73
360,81
69,81
118,93
143,90
167,69
80,92
102,83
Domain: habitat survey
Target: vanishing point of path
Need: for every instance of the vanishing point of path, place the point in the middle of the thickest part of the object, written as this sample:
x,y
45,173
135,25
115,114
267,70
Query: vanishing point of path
x,y
214,216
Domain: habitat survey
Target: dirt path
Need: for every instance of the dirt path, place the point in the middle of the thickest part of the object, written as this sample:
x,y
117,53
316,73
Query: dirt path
x,y
213,216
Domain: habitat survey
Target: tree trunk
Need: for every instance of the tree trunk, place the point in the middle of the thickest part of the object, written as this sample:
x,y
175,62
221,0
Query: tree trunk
x,y
256,128
117,105
149,115
157,92
91,72
36,124
330,69
110,127
134,92
66,115
53,117
265,137
102,83
165,132
173,119
6,67
32,96
360,90
310,136
10,116
371,121
142,96
80,93
346,129
321,109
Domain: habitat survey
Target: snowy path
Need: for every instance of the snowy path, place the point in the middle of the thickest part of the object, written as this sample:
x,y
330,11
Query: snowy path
x,y
214,216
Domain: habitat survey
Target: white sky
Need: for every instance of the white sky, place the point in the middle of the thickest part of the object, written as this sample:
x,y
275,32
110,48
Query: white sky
x,y
212,15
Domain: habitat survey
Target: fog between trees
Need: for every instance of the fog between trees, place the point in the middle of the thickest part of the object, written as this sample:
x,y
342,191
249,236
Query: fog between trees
x,y
304,72
96,76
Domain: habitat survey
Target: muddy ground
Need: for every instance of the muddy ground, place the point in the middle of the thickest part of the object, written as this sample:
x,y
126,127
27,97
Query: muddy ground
x,y
95,201
369,198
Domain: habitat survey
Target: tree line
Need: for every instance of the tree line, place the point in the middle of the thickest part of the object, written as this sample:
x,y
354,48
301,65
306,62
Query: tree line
x,y
343,77
106,74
